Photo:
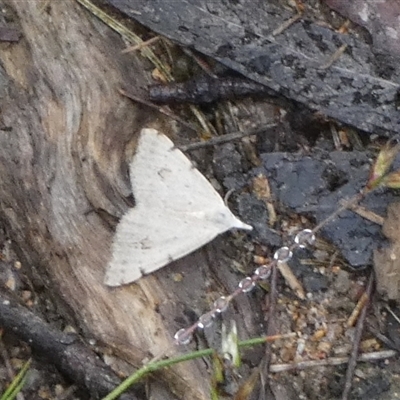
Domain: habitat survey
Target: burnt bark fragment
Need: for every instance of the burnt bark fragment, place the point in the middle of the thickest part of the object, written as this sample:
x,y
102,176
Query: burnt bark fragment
x,y
315,186
292,64
206,90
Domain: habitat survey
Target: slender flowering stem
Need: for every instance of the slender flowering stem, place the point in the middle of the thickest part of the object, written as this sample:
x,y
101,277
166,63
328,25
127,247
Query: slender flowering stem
x,y
157,365
353,201
282,255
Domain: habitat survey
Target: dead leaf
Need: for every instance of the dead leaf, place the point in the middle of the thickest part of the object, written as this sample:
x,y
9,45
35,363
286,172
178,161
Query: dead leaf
x,y
263,192
387,260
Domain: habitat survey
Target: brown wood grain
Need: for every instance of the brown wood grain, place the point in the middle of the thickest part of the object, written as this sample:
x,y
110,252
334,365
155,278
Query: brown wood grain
x,y
67,136
387,259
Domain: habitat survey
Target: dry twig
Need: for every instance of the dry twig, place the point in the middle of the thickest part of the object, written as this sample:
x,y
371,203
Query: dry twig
x,y
225,138
356,341
367,357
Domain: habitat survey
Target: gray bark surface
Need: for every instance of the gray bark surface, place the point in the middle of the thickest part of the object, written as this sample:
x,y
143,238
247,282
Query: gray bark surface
x,y
360,88
66,142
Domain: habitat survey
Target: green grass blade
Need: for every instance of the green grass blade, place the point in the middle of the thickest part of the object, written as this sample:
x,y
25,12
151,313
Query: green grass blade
x,y
17,383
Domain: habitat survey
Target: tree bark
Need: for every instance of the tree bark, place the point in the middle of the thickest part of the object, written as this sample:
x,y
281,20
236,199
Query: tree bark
x,y
66,141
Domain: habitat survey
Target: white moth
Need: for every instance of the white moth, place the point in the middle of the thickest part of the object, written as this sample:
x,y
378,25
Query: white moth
x,y
177,211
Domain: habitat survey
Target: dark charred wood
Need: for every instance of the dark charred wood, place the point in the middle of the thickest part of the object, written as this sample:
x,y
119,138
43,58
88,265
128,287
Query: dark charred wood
x,y
206,90
294,62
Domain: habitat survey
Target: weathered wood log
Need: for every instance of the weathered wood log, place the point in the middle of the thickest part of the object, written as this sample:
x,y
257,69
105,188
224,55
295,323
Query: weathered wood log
x,y
66,351
63,163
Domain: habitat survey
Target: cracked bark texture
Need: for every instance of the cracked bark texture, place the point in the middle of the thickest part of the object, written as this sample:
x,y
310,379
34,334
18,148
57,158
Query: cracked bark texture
x,y
357,89
66,140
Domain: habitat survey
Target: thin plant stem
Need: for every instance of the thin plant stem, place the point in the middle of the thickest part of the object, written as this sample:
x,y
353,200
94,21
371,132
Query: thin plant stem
x,y
152,367
17,383
354,200
127,34
356,341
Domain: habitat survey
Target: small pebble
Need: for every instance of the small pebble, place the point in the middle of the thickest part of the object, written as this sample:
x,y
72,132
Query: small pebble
x,y
342,282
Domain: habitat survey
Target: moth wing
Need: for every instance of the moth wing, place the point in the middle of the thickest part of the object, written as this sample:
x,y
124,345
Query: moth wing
x,y
162,176
146,240
177,211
